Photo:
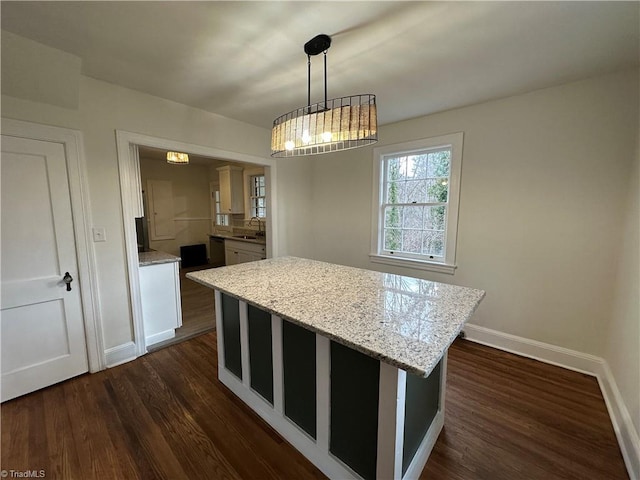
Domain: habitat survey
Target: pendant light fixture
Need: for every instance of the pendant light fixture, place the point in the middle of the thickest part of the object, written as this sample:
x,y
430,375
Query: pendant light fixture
x,y
177,158
330,126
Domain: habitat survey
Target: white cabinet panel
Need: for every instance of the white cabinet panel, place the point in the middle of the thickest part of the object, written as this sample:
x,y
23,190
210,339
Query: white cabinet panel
x,y
161,306
242,252
231,189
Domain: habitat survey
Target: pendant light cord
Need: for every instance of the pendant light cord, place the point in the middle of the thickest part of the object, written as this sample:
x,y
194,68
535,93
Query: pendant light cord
x,y
325,80
309,83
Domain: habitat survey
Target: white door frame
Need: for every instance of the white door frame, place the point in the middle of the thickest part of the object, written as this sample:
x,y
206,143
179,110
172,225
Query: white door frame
x,y
72,142
131,194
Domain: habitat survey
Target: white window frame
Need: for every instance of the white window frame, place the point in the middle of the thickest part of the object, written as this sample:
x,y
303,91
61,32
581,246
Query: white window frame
x,y
256,197
221,219
448,263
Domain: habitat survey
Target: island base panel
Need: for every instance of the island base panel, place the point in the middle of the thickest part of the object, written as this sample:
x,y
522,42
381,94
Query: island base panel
x,y
260,352
354,384
422,403
231,335
341,433
299,374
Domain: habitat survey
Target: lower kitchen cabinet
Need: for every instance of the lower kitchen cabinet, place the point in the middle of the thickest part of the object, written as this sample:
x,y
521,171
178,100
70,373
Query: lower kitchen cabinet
x,y
242,252
161,306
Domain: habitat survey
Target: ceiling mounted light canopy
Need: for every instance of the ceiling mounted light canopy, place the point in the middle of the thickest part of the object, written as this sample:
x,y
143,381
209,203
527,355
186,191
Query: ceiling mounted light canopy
x,y
177,158
330,126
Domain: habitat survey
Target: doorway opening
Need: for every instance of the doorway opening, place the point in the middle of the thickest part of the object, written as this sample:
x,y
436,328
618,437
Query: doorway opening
x,y
185,215
187,222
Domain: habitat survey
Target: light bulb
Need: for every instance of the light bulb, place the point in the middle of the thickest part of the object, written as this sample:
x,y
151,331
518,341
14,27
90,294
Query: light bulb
x,y
289,145
326,136
306,138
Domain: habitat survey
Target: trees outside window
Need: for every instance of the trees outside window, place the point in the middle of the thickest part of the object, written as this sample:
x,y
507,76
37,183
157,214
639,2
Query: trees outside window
x,y
417,200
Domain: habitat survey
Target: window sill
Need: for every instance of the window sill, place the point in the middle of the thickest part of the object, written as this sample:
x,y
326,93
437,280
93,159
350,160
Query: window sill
x,y
411,263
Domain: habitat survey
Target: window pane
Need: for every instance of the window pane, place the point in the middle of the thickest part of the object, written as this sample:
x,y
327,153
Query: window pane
x,y
392,239
433,244
416,191
437,190
396,168
417,166
393,217
396,192
434,218
412,241
439,164
412,217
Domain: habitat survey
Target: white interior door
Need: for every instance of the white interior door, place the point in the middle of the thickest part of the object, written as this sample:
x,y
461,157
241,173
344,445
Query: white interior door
x,y
43,339
162,225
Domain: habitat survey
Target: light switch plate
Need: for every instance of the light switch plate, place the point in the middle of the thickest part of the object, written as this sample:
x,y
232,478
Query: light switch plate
x,y
99,234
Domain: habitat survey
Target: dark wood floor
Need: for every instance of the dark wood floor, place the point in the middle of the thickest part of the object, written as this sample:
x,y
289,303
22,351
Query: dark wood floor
x,y
166,416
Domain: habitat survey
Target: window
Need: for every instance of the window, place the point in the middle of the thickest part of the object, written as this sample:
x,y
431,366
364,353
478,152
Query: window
x,y
257,196
416,195
221,219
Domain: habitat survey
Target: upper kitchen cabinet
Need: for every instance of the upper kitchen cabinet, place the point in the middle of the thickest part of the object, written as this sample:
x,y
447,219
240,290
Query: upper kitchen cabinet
x,y
231,189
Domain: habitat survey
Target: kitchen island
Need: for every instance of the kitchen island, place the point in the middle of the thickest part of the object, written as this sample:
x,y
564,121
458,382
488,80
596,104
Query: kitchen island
x,y
348,365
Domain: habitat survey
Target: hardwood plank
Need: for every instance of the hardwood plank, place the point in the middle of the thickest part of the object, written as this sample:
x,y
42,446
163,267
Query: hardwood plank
x,y
144,434
221,406
62,456
15,433
198,453
95,450
166,416
512,417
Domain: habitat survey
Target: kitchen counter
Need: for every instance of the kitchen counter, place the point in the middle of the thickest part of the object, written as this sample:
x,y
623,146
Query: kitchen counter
x,y
403,321
261,240
348,365
154,257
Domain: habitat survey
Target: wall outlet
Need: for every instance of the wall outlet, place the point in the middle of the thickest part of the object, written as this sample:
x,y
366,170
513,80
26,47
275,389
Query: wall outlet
x,y
99,234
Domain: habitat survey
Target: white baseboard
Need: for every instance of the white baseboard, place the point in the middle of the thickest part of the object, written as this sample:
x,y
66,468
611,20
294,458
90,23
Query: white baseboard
x,y
580,362
120,354
622,424
160,337
544,352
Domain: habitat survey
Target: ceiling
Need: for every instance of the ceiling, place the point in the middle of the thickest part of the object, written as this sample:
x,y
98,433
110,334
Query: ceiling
x,y
245,60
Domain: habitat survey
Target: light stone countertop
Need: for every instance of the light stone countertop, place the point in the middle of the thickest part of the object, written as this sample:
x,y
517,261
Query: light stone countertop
x,y
403,321
154,257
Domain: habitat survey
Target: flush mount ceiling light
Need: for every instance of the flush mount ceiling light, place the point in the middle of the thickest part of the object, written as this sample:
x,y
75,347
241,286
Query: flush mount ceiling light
x,y
329,126
177,158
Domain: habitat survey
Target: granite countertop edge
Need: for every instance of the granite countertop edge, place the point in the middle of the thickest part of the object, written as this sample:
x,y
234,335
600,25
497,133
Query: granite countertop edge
x,y
421,370
155,258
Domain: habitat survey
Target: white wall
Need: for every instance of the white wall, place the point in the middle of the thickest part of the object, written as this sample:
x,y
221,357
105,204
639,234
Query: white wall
x,y
295,211
622,351
191,206
102,109
548,220
540,210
